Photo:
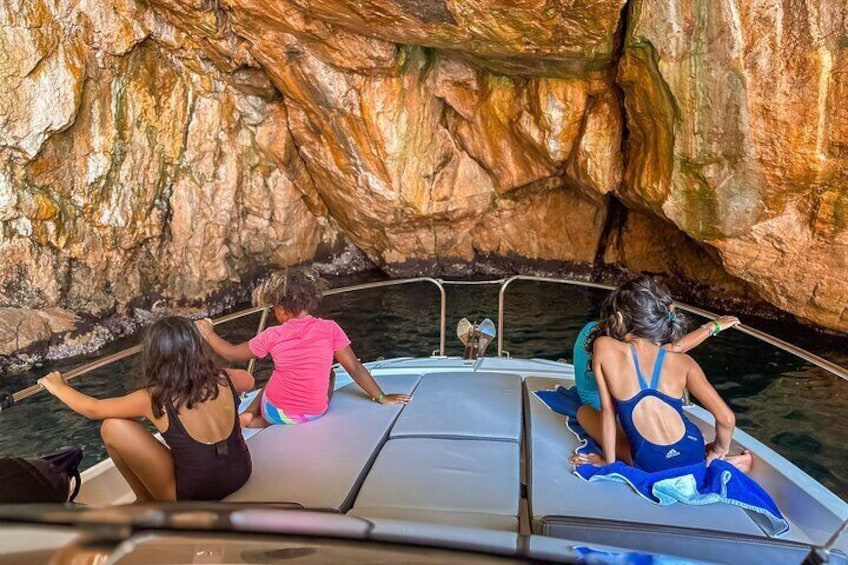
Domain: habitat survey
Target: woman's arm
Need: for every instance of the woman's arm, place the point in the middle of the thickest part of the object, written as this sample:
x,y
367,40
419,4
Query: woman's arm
x,y
363,378
608,427
134,405
228,351
697,336
725,421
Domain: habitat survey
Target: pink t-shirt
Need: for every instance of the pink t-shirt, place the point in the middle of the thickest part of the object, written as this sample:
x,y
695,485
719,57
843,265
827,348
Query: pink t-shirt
x,y
303,351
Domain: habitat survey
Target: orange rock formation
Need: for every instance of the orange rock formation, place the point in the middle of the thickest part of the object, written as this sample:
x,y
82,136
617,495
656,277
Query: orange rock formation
x,y
168,147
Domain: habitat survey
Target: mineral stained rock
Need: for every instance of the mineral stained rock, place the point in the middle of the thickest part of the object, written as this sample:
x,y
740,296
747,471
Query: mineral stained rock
x,y
165,149
738,135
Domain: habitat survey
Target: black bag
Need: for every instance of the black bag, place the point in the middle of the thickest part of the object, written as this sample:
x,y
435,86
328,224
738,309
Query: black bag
x,y
44,479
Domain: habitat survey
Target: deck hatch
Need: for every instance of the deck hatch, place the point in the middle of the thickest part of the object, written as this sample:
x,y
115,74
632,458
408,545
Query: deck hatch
x,y
463,482
472,405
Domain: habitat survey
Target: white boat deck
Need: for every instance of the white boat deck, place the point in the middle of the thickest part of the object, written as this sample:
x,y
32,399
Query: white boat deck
x,y
475,449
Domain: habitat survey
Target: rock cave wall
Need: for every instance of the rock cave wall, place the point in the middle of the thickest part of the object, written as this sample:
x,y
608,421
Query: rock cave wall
x,y
158,151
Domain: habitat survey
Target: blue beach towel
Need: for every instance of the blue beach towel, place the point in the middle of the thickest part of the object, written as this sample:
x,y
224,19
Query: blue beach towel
x,y
694,484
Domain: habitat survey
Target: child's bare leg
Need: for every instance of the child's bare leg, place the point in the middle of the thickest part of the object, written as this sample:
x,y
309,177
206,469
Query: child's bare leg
x,y
252,416
255,421
590,420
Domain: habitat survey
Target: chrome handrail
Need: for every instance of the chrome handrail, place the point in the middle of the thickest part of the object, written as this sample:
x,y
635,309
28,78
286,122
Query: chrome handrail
x,y
262,321
438,282
821,362
504,284
123,354
514,278
130,351
753,332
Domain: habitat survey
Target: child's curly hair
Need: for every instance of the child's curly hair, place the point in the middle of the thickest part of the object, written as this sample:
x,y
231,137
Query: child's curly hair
x,y
295,290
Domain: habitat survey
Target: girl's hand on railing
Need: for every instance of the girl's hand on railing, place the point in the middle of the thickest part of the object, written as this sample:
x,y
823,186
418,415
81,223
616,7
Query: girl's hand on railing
x,y
395,399
205,328
726,322
52,381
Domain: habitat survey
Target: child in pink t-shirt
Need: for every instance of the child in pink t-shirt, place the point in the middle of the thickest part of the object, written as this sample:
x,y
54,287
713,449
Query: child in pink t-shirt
x,y
303,349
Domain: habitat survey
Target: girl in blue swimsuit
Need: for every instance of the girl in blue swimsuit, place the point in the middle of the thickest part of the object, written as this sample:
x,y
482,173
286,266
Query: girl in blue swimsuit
x,y
637,319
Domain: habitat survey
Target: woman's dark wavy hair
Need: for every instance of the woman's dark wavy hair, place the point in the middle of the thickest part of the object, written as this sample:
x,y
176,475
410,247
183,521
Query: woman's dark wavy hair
x,y
178,366
295,290
643,308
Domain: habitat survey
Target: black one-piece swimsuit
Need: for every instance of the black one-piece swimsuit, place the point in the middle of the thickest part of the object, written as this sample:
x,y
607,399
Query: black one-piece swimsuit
x,y
207,471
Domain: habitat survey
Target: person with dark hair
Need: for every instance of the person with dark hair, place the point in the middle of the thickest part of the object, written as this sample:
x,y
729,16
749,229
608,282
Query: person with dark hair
x,y
191,401
587,387
638,328
589,413
303,348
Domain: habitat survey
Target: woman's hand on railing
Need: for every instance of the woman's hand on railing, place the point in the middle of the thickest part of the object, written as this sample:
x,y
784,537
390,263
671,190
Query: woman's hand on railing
x,y
726,322
52,381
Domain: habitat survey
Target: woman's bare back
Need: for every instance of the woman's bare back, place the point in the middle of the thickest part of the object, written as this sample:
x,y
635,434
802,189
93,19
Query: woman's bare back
x,y
209,422
656,420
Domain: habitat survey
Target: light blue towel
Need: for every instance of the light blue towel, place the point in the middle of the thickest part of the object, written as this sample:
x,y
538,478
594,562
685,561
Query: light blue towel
x,y
694,484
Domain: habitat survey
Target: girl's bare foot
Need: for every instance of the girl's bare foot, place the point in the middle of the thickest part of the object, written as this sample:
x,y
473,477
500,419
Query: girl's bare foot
x,y
744,461
257,421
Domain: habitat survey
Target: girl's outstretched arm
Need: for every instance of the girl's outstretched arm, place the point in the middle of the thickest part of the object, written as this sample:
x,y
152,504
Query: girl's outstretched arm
x,y
228,351
697,336
725,421
133,405
363,378
608,427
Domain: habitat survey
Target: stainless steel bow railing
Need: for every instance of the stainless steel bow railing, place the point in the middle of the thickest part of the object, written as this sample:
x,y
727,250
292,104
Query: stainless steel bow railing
x,y
503,283
829,366
130,351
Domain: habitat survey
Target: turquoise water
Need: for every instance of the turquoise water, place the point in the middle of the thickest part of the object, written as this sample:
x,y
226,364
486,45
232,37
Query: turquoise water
x,y
789,404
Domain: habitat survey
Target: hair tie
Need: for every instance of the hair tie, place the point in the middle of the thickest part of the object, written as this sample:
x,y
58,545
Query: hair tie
x,y
671,316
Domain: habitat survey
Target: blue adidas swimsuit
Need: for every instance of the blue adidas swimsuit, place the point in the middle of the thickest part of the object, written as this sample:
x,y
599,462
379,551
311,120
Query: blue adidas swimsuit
x,y
650,456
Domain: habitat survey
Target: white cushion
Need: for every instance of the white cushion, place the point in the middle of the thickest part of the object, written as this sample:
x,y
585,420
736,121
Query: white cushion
x,y
465,482
320,464
481,405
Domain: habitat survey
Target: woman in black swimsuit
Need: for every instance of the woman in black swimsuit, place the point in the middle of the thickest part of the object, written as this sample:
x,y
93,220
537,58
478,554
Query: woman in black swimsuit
x,y
191,401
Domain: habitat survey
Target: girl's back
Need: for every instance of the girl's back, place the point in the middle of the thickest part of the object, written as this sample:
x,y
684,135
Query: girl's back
x,y
208,422
647,384
620,368
303,349
206,443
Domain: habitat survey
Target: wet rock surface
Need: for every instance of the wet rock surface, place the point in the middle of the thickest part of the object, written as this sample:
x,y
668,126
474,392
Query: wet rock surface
x,y
170,150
